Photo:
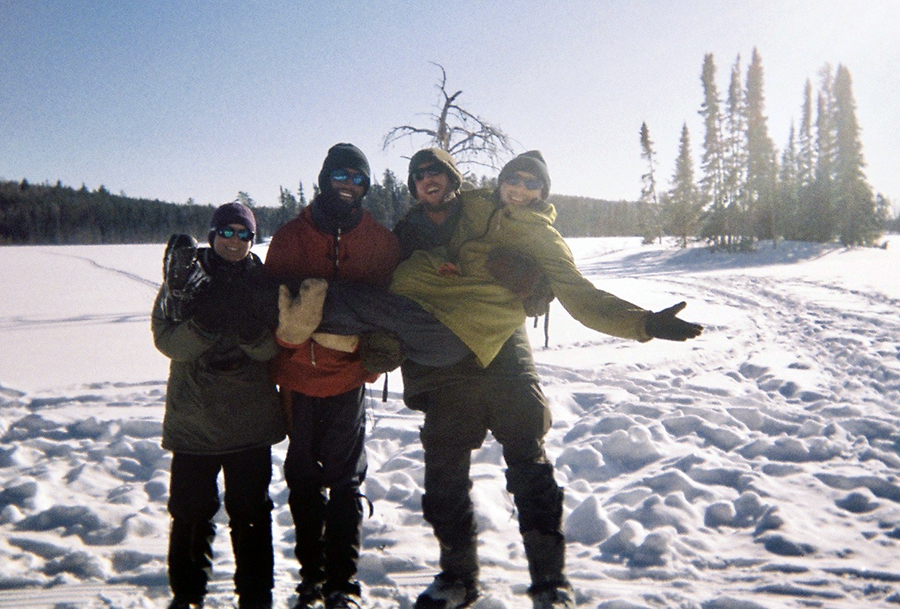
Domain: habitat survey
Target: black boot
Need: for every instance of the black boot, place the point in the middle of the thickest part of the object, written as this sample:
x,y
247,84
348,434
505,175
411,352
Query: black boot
x,y
343,534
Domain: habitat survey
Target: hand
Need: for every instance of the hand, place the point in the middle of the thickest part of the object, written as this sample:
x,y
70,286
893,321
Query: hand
x,y
299,317
251,328
209,315
448,269
380,352
521,274
665,325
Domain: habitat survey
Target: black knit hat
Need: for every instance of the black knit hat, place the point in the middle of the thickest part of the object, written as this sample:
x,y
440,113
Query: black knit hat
x,y
344,156
531,162
231,213
438,157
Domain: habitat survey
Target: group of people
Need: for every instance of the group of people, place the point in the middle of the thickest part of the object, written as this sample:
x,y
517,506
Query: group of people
x,y
260,350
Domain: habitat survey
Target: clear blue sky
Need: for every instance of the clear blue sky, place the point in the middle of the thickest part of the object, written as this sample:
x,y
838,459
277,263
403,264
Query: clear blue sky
x,y
181,99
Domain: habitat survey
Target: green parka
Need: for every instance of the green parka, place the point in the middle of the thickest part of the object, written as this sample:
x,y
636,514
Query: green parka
x,y
219,397
479,310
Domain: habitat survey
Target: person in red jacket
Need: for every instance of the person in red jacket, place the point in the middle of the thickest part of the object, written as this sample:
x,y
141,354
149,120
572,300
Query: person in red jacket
x,y
332,239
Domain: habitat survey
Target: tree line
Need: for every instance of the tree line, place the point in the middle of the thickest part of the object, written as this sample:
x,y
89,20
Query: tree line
x,y
42,214
814,190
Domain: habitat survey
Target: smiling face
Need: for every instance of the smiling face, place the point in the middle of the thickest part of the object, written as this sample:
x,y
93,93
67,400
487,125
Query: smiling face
x,y
349,192
435,186
232,248
518,194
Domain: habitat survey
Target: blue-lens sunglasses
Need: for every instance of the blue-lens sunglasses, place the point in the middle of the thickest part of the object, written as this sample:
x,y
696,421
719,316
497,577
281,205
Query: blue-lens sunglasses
x,y
244,234
342,175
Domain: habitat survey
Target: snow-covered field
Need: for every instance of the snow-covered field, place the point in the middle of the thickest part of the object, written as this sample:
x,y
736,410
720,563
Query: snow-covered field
x,y
755,467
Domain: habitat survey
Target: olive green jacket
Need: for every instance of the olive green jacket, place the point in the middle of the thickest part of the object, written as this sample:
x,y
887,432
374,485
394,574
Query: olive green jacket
x,y
219,397
479,310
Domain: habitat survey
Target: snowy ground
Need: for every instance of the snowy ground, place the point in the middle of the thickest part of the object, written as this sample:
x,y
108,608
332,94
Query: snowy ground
x,y
755,467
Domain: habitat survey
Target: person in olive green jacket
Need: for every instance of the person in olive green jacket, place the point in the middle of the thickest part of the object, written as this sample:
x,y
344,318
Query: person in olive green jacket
x,y
463,288
476,285
222,409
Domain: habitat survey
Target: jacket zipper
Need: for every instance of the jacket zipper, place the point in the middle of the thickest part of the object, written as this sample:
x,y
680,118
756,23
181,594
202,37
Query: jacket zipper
x,y
334,273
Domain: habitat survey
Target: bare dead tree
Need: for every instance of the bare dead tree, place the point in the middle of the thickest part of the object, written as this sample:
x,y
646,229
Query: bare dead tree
x,y
467,137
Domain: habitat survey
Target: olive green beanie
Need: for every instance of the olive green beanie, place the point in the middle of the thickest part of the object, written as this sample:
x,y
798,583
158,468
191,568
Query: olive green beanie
x,y
439,157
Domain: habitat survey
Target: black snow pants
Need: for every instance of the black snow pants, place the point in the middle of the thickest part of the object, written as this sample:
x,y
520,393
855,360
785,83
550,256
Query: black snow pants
x,y
324,468
193,503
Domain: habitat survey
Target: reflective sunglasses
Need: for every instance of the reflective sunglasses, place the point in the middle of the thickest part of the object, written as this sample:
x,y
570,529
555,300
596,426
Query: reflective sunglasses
x,y
244,234
528,183
342,175
428,172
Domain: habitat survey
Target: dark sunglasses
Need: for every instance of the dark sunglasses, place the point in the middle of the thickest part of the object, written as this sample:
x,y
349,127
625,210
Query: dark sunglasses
x,y
342,175
244,234
428,172
529,183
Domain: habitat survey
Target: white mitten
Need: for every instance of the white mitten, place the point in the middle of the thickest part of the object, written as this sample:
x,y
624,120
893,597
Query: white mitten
x,y
299,317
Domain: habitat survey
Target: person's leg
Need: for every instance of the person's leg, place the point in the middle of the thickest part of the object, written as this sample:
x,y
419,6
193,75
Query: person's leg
x,y
344,467
454,427
519,420
306,496
357,308
193,503
249,507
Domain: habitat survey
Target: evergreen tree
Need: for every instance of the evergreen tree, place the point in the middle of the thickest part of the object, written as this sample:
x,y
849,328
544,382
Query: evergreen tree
x,y
648,220
301,197
762,166
682,203
806,160
735,155
822,224
859,222
712,181
789,188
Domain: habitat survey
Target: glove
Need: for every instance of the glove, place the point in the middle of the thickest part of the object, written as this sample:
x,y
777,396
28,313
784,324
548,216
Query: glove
x,y
178,261
299,317
520,273
665,325
251,328
380,352
211,314
183,277
258,312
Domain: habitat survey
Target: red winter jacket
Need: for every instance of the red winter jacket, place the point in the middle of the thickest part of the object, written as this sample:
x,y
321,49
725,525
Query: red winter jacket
x,y
366,253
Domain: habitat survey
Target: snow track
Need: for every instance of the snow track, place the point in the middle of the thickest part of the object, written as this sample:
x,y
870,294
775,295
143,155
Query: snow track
x,y
755,467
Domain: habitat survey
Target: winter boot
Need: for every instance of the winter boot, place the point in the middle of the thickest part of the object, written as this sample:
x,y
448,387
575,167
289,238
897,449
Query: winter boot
x,y
546,554
183,277
447,592
553,597
309,595
343,599
299,317
255,601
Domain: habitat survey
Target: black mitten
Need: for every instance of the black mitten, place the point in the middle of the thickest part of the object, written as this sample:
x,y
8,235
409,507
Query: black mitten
x,y
521,274
665,325
183,277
